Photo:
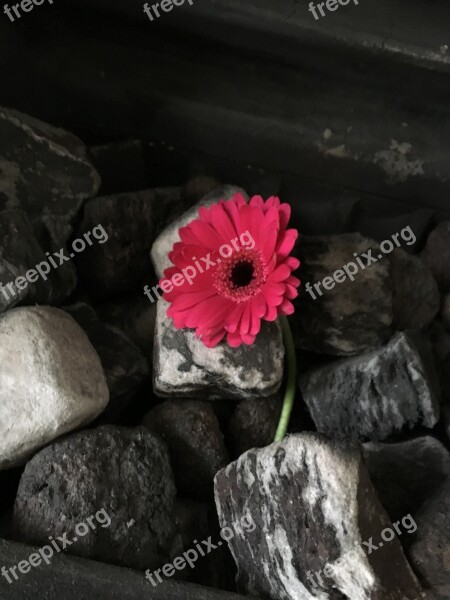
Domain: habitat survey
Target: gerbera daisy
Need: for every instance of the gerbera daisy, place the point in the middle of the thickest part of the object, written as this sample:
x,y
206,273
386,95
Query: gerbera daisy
x,y
232,269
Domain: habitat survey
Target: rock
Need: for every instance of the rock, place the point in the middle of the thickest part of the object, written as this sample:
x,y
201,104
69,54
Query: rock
x,y
125,472
69,578
8,297
22,251
446,419
198,521
405,474
169,236
377,394
135,316
429,554
43,170
121,166
131,221
352,316
254,423
382,227
125,367
317,522
319,216
416,297
196,447
436,255
184,366
51,380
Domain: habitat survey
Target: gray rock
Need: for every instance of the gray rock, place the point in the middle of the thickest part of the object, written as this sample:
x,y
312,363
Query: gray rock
x,y
351,317
196,447
377,394
429,554
125,367
436,255
416,298
169,236
20,248
131,221
125,472
70,578
254,423
51,380
405,474
43,170
318,524
8,297
184,367
135,316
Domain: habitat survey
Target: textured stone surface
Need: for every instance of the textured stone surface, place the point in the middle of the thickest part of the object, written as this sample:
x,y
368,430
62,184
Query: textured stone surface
x,y
196,447
8,273
429,555
254,423
405,474
43,170
166,239
313,505
51,380
72,578
351,317
125,367
416,297
374,395
22,251
184,366
124,471
436,254
132,221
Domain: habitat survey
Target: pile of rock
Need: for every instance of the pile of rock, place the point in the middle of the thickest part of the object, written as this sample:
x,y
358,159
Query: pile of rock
x,y
105,406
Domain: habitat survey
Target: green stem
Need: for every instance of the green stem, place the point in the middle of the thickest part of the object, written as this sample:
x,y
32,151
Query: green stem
x,y
291,385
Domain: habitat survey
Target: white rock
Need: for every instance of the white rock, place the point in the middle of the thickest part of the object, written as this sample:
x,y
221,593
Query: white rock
x,y
51,380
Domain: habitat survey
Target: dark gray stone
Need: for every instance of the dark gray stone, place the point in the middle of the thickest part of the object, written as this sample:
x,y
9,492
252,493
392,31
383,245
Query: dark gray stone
x,y
132,221
196,447
135,316
126,369
377,394
184,367
436,255
313,506
124,471
44,170
445,310
416,297
405,474
71,578
22,251
199,186
353,316
254,423
8,274
429,554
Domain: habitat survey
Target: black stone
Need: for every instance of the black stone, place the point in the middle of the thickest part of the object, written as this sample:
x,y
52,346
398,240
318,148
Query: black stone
x,y
429,554
126,472
436,254
377,394
406,474
353,316
126,369
121,166
195,442
72,578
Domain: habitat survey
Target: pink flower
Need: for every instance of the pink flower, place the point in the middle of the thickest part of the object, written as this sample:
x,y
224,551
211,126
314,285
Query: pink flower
x,y
232,269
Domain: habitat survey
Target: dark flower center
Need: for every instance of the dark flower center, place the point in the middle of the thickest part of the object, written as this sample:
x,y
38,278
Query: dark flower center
x,y
242,273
